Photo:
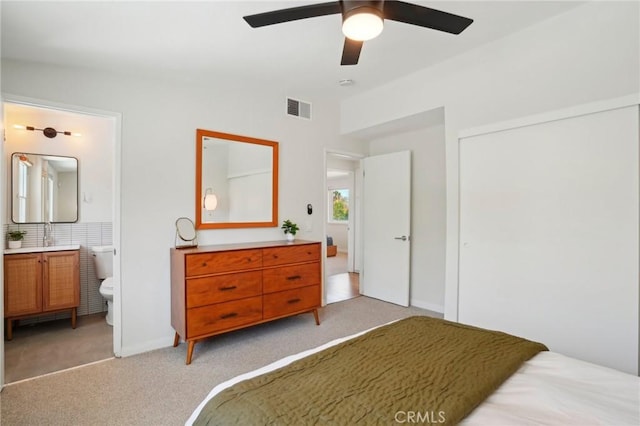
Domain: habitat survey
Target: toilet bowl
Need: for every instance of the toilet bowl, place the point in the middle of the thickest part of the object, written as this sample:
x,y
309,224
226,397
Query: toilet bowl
x,y
103,263
106,290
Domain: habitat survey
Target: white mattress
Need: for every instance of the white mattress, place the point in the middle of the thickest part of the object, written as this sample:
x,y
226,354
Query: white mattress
x,y
550,389
553,389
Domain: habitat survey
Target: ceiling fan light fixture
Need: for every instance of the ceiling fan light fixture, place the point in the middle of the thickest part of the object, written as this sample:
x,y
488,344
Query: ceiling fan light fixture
x,y
362,24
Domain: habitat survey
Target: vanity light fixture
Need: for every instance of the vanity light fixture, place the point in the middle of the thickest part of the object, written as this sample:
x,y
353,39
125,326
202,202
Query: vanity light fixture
x,y
49,132
210,201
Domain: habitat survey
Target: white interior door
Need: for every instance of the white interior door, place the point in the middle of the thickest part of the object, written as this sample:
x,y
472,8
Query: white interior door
x,y
353,211
386,227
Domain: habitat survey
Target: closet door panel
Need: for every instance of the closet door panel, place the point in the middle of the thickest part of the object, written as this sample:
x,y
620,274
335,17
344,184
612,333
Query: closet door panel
x,y
549,234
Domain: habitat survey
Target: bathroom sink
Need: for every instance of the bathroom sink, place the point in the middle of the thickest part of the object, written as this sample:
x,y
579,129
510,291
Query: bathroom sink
x,y
41,249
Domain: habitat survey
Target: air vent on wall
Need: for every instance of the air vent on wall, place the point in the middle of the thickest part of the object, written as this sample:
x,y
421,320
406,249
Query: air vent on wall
x,y
298,108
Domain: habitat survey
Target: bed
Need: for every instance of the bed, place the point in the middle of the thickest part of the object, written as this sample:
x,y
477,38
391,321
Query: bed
x,y
429,371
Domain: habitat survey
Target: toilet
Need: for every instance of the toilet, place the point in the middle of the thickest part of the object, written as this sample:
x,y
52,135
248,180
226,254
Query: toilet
x,y
103,262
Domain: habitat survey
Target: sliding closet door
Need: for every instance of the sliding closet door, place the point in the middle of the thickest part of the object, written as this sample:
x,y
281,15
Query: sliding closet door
x,y
549,235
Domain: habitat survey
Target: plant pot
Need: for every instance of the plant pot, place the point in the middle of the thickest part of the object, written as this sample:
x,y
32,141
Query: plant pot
x,y
290,237
15,244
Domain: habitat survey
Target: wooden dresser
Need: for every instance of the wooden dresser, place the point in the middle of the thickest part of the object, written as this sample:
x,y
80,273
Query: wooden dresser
x,y
215,289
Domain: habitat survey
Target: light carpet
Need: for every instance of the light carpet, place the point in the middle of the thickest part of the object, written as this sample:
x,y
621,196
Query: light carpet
x,y
157,388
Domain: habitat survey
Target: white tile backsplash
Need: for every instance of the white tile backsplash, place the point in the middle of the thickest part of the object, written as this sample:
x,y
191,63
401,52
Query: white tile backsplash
x,y
87,235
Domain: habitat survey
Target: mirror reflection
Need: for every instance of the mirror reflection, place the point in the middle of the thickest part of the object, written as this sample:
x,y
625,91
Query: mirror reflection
x,y
44,188
236,181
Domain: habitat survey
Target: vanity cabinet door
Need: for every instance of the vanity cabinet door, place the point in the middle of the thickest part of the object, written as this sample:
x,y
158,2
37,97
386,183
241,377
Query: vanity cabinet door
x,y
22,284
61,284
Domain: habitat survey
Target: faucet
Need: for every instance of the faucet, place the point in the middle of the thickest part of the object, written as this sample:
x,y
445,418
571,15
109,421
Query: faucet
x,y
48,237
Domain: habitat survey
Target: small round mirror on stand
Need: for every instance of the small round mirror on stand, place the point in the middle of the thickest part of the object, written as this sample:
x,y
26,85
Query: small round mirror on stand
x,y
186,235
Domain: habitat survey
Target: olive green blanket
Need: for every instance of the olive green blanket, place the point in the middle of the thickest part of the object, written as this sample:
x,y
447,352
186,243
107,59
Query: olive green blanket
x,y
417,370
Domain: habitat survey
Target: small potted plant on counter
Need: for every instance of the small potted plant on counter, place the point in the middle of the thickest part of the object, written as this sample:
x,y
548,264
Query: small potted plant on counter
x,y
15,238
289,229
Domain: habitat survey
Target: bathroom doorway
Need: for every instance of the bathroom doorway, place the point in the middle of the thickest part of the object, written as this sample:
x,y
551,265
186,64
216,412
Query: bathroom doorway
x,y
341,223
47,343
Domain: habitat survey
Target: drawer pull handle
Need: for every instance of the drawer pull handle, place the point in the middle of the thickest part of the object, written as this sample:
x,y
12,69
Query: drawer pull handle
x,y
292,301
204,264
227,288
294,277
231,315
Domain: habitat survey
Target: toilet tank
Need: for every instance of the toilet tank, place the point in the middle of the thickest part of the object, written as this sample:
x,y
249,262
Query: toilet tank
x,y
103,261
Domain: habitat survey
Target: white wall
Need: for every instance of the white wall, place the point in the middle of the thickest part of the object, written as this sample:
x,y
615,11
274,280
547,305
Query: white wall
x,y
159,119
587,54
428,210
94,151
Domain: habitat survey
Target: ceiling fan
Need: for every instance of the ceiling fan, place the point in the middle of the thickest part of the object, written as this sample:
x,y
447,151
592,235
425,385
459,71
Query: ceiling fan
x,y
363,20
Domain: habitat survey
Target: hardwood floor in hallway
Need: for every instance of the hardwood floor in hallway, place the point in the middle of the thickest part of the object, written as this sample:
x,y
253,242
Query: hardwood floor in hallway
x,y
340,284
342,287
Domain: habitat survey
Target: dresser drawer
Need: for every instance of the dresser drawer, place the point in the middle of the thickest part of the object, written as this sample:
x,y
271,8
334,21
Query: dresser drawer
x,y
223,288
213,263
286,302
221,316
292,254
289,277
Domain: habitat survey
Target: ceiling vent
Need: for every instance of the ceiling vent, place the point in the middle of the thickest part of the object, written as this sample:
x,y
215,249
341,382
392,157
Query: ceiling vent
x,y
298,108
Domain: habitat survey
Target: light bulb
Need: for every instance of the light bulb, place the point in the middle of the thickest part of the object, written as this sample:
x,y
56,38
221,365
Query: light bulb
x,y
210,202
362,25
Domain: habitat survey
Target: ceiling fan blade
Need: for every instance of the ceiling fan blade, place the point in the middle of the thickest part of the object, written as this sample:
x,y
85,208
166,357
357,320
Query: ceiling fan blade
x,y
293,14
425,17
351,52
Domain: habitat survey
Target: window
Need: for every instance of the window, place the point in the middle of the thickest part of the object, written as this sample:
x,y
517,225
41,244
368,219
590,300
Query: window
x,y
50,195
22,192
339,205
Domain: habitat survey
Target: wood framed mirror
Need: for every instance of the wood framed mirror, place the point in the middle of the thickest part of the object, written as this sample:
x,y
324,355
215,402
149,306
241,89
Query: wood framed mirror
x,y
236,181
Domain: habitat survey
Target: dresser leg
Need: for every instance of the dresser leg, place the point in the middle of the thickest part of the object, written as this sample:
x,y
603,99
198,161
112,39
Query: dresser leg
x,y
315,315
176,340
192,343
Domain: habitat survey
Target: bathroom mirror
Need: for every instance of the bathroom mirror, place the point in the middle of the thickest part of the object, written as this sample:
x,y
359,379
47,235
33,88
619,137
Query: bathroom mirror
x,y
44,188
236,181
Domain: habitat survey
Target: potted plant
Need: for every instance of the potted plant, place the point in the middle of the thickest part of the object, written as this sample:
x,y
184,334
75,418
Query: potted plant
x,y
15,238
289,229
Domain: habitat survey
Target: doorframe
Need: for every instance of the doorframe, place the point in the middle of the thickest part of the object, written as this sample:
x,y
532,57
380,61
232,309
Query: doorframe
x,y
3,207
357,220
116,118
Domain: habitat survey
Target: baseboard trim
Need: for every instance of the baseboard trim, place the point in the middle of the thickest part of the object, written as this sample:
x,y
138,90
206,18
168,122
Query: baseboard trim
x,y
150,345
428,306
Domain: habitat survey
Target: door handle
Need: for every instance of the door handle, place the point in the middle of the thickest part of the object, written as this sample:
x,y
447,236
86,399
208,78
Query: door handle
x,y
403,238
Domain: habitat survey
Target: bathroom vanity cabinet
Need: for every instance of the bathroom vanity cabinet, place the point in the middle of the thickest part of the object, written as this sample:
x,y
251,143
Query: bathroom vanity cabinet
x,y
216,289
40,283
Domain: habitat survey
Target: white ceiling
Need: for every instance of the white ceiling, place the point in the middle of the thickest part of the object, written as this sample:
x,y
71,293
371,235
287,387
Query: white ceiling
x,y
209,39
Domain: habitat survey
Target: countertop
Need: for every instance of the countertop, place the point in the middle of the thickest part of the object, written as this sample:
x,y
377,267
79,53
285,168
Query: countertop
x,y
41,249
